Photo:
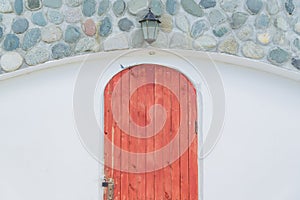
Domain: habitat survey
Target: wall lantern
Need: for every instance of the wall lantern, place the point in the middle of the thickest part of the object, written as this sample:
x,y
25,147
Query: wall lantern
x,y
150,27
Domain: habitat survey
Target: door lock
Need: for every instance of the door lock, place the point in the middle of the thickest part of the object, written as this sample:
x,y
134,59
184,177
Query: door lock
x,y
109,184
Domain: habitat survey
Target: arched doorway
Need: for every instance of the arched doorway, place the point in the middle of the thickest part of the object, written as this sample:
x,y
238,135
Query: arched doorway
x,y
150,146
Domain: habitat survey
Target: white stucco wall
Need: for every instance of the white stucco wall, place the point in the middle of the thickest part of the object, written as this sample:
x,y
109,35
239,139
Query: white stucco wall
x,y
42,157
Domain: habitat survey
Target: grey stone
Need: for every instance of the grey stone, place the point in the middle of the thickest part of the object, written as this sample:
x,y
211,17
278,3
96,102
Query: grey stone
x,y
52,3
296,44
72,34
289,6
5,6
281,23
254,6
11,61
72,15
88,7
137,39
166,23
229,46
191,7
161,41
87,44
36,56
55,17
296,62
182,22
20,25
220,31
61,50
119,7
11,42
74,3
278,56
245,33
279,38
116,42
125,24
31,38
230,5
1,32
272,7
252,50
105,27
205,42
238,19
180,41
51,34
33,4
103,7
18,5
297,28
198,28
39,19
1,17
156,7
172,6
208,3
216,17
262,21
135,6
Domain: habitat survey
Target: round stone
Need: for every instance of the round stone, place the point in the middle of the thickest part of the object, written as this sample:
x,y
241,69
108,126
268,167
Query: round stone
x,y
245,33
272,7
208,3
220,31
87,44
125,24
281,23
39,19
11,42
296,62
72,15
278,56
262,21
1,32
254,6
137,39
238,20
51,34
279,38
191,7
72,34
88,7
61,50
205,43
11,61
289,6
74,3
55,17
135,6
297,28
156,7
182,22
5,6
31,38
18,5
180,41
103,7
198,28
119,7
229,45
252,50
264,38
116,42
89,27
105,27
216,17
296,44
20,25
172,7
230,5
33,4
36,56
162,41
52,3
166,23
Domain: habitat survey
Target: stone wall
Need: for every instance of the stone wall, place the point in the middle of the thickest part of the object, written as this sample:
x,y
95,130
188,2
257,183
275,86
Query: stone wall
x,y
36,31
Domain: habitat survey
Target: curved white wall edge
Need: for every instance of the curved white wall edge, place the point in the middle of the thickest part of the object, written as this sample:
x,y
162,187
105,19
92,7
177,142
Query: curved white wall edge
x,y
220,57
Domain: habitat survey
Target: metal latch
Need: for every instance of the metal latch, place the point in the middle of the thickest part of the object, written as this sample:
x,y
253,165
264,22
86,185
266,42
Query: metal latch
x,y
109,184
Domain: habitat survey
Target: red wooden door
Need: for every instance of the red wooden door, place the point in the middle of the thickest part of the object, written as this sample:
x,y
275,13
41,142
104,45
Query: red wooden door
x,y
150,134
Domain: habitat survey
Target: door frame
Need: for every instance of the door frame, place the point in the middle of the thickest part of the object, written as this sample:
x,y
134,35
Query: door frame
x,y
170,60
